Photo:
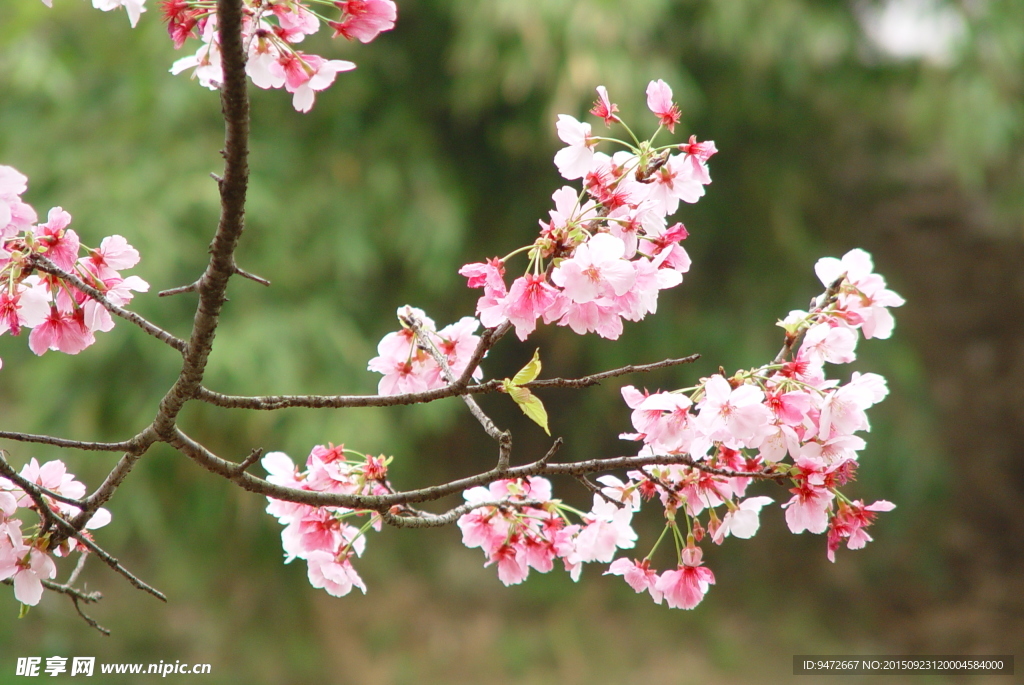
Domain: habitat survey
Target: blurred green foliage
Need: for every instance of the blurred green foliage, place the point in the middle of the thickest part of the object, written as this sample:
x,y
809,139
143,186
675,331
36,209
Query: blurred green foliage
x,y
437,151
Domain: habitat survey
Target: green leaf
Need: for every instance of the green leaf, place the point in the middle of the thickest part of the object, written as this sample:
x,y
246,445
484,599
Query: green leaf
x,y
530,371
530,404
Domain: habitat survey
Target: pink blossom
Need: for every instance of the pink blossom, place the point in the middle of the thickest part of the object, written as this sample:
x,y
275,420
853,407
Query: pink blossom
x,y
743,521
575,160
733,414
834,450
638,575
52,475
61,242
336,577
295,23
364,19
29,567
181,19
685,587
826,343
15,215
458,343
843,410
607,528
64,332
600,316
808,509
866,300
28,306
305,75
666,418
676,181
206,62
512,566
642,298
597,269
114,254
659,101
135,8
528,298
483,274
789,407
849,523
702,152
604,107
620,492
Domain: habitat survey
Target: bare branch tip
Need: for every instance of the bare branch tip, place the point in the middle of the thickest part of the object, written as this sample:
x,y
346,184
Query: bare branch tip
x,y
249,461
190,288
251,276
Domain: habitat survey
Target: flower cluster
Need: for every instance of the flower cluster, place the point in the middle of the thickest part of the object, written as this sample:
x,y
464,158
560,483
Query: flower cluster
x,y
605,252
518,526
25,556
408,367
325,537
715,439
271,29
61,316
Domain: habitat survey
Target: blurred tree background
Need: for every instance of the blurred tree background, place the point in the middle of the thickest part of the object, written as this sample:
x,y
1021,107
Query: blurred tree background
x,y
835,131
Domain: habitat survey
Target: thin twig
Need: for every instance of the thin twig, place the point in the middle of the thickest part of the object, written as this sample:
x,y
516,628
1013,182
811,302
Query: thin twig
x,y
792,341
275,402
61,442
251,276
555,446
46,515
31,488
423,519
78,568
113,563
227,469
190,288
592,486
76,596
43,264
113,480
53,519
250,460
87,618
504,438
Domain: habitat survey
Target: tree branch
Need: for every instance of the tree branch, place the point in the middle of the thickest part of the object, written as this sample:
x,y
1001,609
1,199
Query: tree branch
x,y
233,186
793,341
41,263
504,438
73,444
380,503
275,402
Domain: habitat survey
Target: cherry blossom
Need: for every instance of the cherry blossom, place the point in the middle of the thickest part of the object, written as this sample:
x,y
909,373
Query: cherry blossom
x,y
575,160
638,575
659,101
685,587
741,521
364,19
605,108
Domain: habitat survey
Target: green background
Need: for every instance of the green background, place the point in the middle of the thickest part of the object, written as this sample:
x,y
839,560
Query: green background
x,y
437,151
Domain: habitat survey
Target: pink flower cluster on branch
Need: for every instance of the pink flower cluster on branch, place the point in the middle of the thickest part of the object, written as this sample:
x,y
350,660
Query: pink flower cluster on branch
x,y
325,537
407,367
602,257
270,30
61,316
26,555
606,251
